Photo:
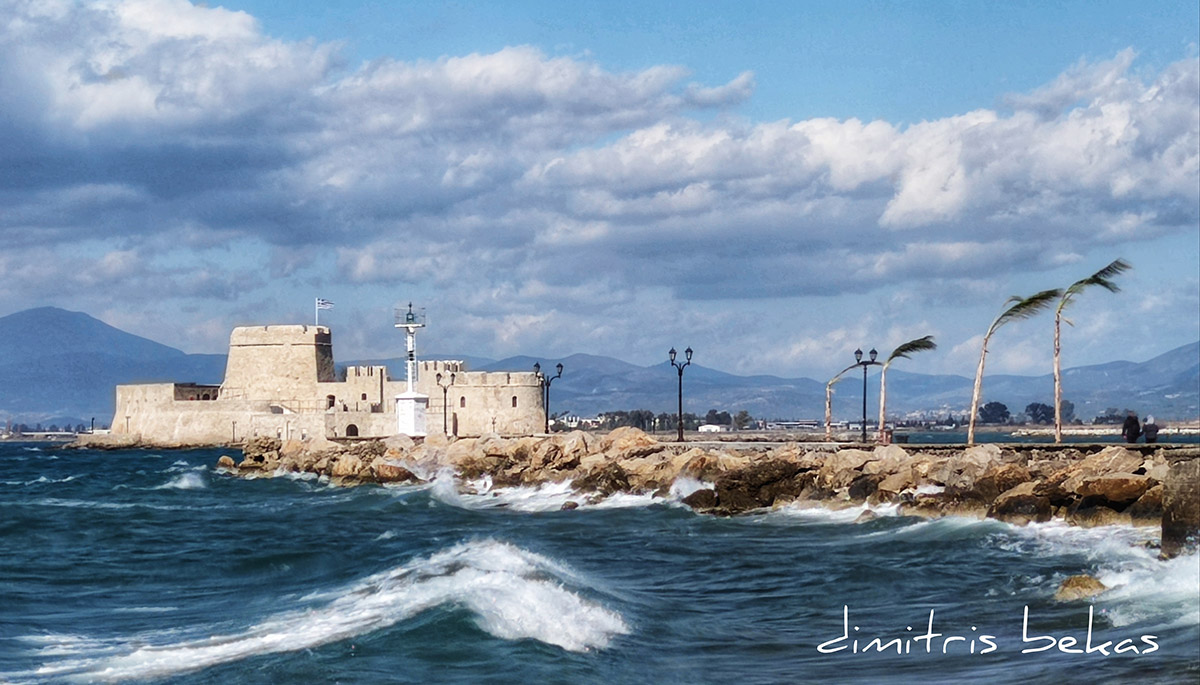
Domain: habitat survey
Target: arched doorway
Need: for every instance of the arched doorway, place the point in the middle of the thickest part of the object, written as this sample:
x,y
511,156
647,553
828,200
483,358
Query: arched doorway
x,y
352,431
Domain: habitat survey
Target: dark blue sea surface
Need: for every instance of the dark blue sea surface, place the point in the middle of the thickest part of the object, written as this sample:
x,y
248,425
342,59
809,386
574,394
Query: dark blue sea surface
x,y
154,566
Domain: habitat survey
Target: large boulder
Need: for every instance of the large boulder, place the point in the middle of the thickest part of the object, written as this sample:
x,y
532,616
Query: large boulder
x,y
1021,505
1078,587
1148,509
1181,508
1090,512
761,485
702,500
960,471
649,472
385,471
889,489
842,467
463,450
572,447
709,466
399,443
1115,459
998,478
345,466
604,481
887,460
864,486
255,447
628,442
1117,488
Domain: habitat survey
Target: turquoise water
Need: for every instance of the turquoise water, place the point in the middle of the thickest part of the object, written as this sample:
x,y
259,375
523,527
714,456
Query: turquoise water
x,y
147,566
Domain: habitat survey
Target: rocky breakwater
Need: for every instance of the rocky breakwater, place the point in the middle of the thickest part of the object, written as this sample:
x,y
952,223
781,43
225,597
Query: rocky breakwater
x,y
1019,484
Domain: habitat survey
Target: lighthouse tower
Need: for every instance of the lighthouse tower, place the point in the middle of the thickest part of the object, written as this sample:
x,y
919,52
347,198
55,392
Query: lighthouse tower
x,y
411,405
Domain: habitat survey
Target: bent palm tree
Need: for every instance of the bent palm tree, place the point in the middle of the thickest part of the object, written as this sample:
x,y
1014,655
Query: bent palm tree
x,y
1104,279
1019,308
908,348
829,401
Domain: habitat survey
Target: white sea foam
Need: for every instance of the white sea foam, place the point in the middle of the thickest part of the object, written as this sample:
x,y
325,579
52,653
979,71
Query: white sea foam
x,y
816,511
91,504
1141,586
191,480
482,494
686,485
40,480
513,593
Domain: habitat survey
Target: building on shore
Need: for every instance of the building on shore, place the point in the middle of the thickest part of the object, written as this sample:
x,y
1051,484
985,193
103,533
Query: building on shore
x,y
280,382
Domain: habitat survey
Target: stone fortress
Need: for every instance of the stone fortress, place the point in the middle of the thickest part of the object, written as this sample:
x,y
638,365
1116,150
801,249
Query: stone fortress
x,y
280,382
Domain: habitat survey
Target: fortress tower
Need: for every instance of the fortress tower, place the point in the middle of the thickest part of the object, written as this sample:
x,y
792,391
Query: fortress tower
x,y
282,363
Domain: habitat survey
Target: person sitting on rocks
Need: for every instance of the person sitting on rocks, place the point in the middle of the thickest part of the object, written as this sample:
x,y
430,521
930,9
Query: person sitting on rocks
x,y
1131,430
1150,429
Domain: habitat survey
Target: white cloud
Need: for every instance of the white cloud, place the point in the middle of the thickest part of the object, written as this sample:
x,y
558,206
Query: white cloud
x,y
533,192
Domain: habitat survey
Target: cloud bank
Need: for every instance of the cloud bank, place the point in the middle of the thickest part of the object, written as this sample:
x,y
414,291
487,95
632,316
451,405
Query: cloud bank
x,y
537,195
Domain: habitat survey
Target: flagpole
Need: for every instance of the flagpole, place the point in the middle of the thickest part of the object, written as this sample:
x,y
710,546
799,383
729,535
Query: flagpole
x,y
317,311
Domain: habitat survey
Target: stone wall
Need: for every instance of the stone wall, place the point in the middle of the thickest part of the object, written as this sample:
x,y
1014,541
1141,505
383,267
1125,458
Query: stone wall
x,y
502,402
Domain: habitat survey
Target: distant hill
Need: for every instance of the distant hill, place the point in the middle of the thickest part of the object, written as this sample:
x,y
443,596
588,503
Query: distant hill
x,y
63,366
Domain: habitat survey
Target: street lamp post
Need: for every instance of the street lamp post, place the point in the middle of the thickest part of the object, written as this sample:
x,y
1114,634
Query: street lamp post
x,y
546,381
688,354
858,354
445,393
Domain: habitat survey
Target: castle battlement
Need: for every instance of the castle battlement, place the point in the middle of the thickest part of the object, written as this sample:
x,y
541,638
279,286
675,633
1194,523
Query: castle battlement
x,y
287,334
440,366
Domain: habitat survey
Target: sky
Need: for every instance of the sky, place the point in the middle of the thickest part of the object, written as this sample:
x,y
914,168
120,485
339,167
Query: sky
x,y
773,184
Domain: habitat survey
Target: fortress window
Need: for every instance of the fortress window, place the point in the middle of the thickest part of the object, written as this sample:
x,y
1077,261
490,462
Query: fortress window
x,y
364,395
352,431
331,400
462,401
514,401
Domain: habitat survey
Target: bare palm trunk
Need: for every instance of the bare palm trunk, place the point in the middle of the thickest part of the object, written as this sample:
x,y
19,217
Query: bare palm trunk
x,y
1057,381
829,411
977,391
882,400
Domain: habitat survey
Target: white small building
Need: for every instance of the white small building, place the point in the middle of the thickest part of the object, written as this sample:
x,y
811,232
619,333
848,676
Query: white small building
x,y
714,428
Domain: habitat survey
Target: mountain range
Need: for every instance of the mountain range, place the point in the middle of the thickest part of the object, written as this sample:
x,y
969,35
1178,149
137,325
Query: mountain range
x,y
62,367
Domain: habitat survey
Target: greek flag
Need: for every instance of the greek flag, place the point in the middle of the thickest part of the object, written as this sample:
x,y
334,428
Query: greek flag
x,y
324,304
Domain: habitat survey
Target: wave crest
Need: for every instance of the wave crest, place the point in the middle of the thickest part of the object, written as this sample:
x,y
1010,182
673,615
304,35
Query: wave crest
x,y
513,593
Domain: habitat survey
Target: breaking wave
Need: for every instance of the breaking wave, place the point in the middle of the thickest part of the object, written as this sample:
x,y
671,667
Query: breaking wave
x,y
191,480
482,494
512,593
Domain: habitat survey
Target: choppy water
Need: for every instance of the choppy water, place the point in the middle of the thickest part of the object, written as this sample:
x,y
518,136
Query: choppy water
x,y
146,566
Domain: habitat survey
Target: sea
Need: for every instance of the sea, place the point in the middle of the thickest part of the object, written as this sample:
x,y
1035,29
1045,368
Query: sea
x,y
155,566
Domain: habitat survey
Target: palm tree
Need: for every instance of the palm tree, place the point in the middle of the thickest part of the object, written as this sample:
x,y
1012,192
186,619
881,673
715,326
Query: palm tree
x,y
1018,308
829,401
1104,279
908,348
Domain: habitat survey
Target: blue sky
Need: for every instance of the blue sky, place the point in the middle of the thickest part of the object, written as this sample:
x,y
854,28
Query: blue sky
x,y
773,184
900,61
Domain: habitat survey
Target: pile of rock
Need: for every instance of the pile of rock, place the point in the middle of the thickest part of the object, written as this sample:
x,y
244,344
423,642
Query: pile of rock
x,y
1109,486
